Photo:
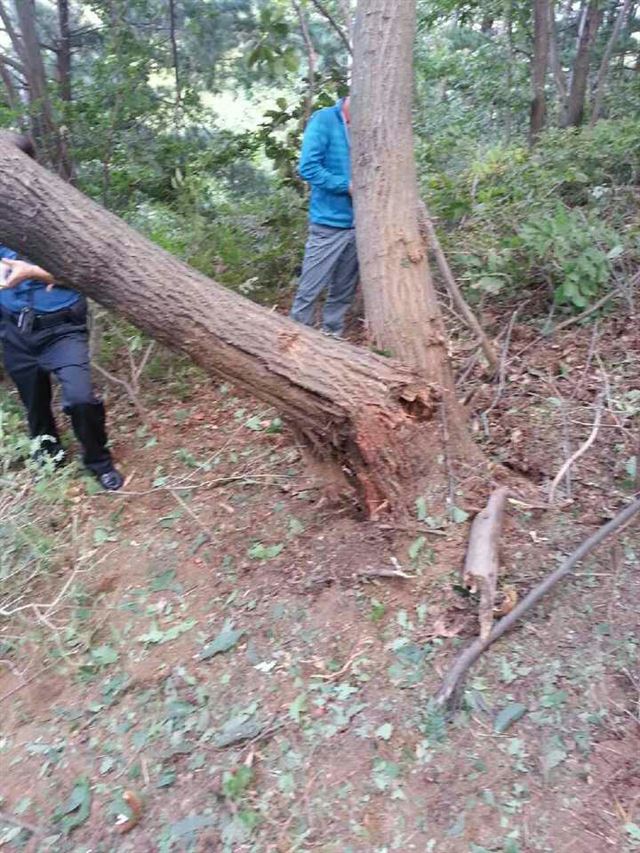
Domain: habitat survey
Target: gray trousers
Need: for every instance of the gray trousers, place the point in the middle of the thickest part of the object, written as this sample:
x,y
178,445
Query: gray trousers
x,y
331,262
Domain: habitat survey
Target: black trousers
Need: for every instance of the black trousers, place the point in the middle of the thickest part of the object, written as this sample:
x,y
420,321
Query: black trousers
x,y
62,350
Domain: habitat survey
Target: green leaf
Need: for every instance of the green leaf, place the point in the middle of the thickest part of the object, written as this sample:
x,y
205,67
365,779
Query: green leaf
x,y
226,640
264,552
190,825
77,808
421,508
156,636
632,830
104,655
416,547
458,515
298,705
384,731
508,716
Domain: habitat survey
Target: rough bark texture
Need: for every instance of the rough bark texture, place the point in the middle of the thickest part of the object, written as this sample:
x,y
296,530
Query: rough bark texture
x,y
363,410
45,130
603,73
539,63
402,312
556,65
580,74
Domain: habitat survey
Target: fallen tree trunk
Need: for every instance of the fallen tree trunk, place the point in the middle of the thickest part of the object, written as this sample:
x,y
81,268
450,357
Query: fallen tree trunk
x,y
362,409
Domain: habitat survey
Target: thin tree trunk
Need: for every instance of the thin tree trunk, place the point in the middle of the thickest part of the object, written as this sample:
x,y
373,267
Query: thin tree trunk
x,y
579,77
539,64
367,412
606,61
402,311
45,129
556,65
64,52
174,50
7,80
311,61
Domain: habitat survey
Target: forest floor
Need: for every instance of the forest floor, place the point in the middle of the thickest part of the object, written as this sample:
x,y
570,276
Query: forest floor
x,y
227,670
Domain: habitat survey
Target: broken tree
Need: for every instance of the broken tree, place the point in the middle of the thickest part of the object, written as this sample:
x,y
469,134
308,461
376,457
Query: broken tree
x,y
365,411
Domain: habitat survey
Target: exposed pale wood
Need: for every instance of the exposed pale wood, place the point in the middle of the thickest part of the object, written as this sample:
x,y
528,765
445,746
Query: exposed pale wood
x,y
482,560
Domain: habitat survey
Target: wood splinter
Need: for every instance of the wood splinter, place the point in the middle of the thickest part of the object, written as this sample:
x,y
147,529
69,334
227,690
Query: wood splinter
x,y
482,563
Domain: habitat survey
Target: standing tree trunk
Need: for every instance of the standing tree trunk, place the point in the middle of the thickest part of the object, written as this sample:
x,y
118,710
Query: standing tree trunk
x,y
64,52
369,413
556,65
45,130
539,63
401,308
580,75
603,73
174,50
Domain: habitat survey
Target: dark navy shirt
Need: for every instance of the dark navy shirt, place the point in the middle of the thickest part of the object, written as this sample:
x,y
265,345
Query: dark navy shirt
x,y
34,294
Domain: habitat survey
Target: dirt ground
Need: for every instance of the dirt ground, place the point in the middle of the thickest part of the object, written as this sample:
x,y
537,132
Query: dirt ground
x,y
234,670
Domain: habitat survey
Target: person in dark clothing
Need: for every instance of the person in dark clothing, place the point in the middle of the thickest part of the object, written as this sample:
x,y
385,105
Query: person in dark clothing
x,y
44,331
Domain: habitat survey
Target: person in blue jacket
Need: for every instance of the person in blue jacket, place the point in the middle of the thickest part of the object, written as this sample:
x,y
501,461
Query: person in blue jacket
x,y
43,329
330,259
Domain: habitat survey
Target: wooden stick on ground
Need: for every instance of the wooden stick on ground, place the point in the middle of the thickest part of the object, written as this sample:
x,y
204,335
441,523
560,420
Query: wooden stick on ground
x,y
452,682
431,238
481,563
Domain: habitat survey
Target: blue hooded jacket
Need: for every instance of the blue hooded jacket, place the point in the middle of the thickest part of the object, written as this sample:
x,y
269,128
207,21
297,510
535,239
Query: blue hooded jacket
x,y
34,294
325,163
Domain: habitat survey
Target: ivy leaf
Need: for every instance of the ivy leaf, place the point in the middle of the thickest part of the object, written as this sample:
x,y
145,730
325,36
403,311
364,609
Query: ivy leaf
x,y
77,808
459,515
508,716
226,640
384,731
104,655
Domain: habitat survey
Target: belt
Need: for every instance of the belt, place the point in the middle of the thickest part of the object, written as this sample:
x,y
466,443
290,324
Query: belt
x,y
44,321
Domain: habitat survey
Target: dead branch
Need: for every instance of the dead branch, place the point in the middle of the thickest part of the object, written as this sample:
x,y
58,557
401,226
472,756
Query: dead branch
x,y
131,394
452,682
583,314
336,26
481,563
431,238
580,451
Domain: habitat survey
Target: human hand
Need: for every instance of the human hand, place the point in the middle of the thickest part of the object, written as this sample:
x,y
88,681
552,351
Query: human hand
x,y
20,271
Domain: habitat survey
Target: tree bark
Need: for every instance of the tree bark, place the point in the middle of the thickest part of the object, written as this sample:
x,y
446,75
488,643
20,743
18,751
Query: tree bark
x,y
174,50
556,65
579,77
401,308
46,133
64,52
603,73
539,64
369,413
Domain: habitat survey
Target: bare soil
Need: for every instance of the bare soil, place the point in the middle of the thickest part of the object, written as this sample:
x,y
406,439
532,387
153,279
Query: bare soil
x,y
311,728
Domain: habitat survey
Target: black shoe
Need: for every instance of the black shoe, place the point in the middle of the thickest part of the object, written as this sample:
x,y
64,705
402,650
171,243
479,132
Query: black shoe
x,y
111,480
46,452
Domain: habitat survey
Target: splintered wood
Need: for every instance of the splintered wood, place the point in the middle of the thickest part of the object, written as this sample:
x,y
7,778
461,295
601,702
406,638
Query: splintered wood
x,y
482,561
